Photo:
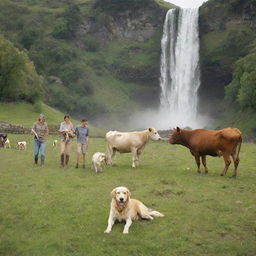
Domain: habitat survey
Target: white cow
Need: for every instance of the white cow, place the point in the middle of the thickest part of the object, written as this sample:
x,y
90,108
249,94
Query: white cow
x,y
126,142
7,143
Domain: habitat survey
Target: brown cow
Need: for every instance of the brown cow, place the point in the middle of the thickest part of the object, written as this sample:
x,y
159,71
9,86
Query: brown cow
x,y
226,142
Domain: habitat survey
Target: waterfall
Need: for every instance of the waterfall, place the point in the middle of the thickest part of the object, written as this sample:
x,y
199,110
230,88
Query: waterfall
x,y
180,70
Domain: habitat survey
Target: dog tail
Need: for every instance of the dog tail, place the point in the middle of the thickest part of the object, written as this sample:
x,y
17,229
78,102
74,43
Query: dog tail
x,y
156,214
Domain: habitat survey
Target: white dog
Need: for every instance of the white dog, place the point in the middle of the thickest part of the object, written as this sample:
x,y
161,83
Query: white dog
x,y
7,144
22,145
124,208
98,161
54,144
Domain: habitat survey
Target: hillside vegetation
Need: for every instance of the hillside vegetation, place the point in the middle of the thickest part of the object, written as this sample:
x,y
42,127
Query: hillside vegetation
x,y
94,57
25,114
228,62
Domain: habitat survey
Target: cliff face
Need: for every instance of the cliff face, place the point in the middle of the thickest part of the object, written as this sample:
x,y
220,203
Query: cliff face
x,y
132,25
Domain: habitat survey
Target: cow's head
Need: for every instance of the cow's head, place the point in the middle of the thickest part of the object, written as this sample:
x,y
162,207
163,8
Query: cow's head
x,y
175,136
153,134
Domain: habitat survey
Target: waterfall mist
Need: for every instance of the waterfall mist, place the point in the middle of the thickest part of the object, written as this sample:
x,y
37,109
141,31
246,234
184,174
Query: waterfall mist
x,y
180,73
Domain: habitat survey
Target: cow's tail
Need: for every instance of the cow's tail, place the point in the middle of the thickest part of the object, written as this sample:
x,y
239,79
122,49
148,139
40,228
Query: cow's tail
x,y
238,148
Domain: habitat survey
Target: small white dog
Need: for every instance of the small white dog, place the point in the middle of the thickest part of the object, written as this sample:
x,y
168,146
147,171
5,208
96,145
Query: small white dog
x,y
124,208
7,144
98,161
54,144
22,145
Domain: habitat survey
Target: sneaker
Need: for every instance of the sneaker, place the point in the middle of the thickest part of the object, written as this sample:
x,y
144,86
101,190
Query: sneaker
x,y
77,165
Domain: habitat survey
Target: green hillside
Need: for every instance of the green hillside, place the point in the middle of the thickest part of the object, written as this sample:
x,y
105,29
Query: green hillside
x,y
95,57
26,114
228,62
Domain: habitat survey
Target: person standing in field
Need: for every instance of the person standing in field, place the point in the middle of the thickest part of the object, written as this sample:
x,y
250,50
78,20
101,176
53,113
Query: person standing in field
x,y
82,133
40,130
67,133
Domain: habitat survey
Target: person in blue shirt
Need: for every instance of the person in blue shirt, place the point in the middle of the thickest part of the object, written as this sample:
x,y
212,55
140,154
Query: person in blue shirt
x,y
82,134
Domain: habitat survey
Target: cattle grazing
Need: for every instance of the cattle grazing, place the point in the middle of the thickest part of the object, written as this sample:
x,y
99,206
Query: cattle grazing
x,y
3,138
226,142
129,142
98,161
54,144
7,143
22,145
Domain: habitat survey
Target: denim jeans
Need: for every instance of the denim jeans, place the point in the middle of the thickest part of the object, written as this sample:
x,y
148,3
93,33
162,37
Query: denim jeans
x,y
39,145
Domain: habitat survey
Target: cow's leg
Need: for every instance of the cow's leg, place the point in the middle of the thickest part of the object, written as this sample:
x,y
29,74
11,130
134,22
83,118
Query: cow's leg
x,y
236,161
134,157
204,163
197,158
139,152
111,154
227,160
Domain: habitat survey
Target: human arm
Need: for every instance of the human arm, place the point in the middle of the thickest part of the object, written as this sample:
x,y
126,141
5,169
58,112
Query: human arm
x,y
34,132
63,129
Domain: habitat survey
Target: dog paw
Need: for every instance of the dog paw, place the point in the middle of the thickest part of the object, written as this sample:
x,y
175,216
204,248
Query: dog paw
x,y
107,231
125,232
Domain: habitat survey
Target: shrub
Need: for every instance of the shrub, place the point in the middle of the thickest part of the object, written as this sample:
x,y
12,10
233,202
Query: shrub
x,y
18,77
91,43
243,86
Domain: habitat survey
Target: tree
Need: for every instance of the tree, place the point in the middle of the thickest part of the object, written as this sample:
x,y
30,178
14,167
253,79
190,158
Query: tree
x,y
18,77
242,89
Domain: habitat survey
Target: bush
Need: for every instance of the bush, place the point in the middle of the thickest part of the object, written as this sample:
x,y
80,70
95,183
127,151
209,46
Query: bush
x,y
38,107
18,77
91,43
242,89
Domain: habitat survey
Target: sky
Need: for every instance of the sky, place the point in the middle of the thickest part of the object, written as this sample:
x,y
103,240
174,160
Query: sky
x,y
187,3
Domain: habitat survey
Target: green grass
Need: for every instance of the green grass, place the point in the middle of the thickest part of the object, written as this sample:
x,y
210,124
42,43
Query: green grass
x,y
52,211
21,113
245,120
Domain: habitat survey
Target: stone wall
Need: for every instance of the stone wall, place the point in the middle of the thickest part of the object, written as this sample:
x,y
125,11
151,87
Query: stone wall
x,y
19,129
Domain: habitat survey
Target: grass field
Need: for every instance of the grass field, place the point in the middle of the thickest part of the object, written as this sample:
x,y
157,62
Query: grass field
x,y
21,113
53,211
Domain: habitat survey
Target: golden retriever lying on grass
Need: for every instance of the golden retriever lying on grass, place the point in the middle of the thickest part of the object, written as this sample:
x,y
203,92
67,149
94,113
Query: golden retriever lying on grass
x,y
127,209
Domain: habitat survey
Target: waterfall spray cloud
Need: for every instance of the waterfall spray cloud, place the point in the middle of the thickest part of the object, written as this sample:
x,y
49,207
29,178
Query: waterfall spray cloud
x,y
180,73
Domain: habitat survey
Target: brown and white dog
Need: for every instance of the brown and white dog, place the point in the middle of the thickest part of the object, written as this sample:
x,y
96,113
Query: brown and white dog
x,y
7,143
22,145
127,209
98,161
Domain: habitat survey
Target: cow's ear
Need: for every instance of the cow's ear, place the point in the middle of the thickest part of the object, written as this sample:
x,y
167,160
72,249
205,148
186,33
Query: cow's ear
x,y
178,129
150,129
113,193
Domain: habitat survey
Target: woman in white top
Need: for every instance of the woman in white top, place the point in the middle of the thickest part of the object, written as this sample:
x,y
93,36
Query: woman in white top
x,y
67,133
